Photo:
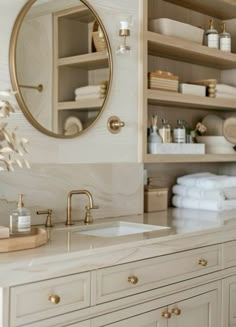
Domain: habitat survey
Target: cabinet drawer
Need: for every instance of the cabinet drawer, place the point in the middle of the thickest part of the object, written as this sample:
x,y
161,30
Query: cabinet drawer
x,y
124,280
41,300
229,254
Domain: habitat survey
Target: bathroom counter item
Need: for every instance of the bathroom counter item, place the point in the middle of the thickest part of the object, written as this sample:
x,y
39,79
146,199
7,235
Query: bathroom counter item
x,y
36,238
4,232
216,144
174,28
199,90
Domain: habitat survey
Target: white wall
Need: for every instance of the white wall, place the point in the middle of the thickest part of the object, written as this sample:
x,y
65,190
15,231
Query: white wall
x,y
104,163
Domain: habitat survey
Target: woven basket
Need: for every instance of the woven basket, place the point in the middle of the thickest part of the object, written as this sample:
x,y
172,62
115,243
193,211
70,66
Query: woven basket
x,y
98,39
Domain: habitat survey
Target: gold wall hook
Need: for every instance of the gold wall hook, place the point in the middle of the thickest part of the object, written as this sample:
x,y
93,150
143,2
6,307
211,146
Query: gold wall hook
x,y
39,87
114,124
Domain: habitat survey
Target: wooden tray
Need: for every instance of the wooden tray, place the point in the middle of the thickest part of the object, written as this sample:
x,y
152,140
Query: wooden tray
x,y
37,237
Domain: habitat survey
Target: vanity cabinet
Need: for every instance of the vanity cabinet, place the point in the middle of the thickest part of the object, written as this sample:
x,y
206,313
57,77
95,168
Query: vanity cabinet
x,y
188,60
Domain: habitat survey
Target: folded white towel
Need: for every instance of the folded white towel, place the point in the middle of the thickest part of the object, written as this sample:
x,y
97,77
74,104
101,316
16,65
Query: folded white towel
x,y
90,89
224,88
207,181
225,95
204,215
190,203
198,193
89,96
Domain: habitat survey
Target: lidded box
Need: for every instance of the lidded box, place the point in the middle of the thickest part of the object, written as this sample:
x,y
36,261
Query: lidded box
x,y
155,198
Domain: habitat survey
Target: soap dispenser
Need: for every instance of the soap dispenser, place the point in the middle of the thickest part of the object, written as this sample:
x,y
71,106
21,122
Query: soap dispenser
x,y
225,40
212,36
20,219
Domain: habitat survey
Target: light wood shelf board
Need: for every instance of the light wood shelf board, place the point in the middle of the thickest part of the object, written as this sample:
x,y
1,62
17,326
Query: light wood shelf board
x,y
184,100
178,49
87,61
185,158
92,104
214,8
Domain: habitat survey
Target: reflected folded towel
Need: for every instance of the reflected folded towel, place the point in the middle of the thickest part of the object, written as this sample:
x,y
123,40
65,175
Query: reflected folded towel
x,y
90,89
190,203
224,88
197,193
207,181
89,96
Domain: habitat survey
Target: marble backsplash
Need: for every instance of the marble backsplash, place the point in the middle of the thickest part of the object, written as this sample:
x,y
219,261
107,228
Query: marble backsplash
x,y
116,188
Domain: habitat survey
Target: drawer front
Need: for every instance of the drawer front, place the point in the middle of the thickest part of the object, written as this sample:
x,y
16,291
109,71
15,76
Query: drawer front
x,y
124,280
41,300
229,254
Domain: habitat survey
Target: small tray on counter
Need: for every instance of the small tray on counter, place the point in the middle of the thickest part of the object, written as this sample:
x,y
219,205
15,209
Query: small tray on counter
x,y
36,238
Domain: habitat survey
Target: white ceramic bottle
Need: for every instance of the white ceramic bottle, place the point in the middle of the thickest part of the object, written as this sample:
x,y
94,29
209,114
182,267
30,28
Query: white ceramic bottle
x,y
154,138
20,219
225,40
212,36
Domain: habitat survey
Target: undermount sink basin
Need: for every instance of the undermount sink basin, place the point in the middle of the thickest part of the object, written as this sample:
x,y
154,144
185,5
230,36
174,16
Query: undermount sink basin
x,y
119,228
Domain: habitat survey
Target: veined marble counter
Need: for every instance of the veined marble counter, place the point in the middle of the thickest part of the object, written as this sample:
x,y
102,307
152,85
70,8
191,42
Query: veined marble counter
x,y
69,252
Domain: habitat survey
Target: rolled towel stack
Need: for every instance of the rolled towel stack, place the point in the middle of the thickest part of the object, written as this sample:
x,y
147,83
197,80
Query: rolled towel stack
x,y
91,92
225,91
205,191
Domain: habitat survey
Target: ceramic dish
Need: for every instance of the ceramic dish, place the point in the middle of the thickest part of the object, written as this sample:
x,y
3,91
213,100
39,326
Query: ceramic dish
x,y
216,144
214,125
229,129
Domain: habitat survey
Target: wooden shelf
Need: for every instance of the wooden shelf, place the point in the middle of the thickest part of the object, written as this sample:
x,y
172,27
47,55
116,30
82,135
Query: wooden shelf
x,y
93,104
185,158
181,50
95,60
183,100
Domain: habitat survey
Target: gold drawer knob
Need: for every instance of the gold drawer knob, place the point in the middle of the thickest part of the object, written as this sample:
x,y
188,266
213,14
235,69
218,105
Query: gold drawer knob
x,y
166,314
176,311
202,262
54,299
133,280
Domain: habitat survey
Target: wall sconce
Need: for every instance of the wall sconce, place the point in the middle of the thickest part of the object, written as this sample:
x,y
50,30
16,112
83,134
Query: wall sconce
x,y
124,32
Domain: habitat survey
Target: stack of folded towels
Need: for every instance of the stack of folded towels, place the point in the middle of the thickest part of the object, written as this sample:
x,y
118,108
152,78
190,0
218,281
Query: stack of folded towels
x,y
205,191
225,91
91,92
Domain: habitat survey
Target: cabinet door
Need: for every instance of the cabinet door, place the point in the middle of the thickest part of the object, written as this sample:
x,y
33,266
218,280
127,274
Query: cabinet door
x,y
199,311
229,302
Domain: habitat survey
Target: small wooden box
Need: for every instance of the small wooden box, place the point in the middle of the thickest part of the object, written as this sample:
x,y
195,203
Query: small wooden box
x,y
155,199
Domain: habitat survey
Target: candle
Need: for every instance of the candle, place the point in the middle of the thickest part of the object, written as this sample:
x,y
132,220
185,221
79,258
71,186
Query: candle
x,y
124,25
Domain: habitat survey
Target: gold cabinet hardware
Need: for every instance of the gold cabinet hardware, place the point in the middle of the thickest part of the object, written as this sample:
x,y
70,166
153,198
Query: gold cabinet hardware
x,y
54,299
114,124
166,314
176,311
202,262
133,280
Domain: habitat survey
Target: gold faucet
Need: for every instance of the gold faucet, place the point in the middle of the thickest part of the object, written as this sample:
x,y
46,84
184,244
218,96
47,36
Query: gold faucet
x,y
88,217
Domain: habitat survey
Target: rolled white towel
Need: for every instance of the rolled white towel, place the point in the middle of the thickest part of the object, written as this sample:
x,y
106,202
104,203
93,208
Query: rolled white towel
x,y
212,205
224,88
90,89
198,193
207,181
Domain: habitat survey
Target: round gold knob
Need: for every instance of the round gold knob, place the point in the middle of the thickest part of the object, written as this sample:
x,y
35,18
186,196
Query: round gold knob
x,y
54,299
114,124
176,311
133,280
202,262
166,314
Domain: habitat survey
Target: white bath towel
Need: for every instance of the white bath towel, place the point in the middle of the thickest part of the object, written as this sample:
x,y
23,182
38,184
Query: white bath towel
x,y
225,95
224,88
207,181
90,89
204,215
190,203
198,193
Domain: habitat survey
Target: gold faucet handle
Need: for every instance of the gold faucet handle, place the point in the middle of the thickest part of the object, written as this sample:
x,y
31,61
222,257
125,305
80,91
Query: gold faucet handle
x,y
88,217
48,212
95,207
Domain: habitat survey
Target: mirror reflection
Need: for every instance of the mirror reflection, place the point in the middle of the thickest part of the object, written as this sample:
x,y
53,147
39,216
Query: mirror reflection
x,y
60,65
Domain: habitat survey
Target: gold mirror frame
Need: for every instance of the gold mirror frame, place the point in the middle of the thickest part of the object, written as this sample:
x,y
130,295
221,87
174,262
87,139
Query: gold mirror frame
x,y
14,79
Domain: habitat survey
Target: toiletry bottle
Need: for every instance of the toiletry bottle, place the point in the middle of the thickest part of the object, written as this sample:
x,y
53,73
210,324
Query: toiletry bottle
x,y
20,219
165,131
154,137
225,40
180,132
212,36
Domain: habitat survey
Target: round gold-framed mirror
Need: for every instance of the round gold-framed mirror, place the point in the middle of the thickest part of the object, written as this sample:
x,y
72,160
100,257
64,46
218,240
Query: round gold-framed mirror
x,y
60,66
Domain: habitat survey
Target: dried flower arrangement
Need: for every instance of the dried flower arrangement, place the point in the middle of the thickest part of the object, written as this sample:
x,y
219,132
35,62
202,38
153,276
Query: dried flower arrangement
x,y
12,147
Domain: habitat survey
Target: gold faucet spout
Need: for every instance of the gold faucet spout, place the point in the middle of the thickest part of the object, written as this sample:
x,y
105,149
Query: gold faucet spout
x,y
91,205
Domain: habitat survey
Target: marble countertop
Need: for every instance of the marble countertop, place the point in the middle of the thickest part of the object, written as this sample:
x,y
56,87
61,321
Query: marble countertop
x,y
68,251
